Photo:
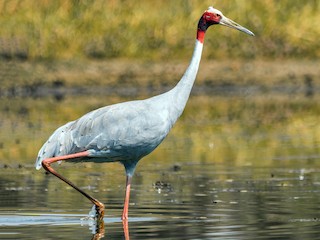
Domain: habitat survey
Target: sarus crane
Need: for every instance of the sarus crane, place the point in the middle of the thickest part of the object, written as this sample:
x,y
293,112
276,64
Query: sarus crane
x,y
128,131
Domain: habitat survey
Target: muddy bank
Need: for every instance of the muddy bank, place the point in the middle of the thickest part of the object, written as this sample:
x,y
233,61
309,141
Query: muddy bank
x,y
129,78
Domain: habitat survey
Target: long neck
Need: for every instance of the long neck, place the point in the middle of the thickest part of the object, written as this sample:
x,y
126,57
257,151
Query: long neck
x,y
180,93
183,88
176,99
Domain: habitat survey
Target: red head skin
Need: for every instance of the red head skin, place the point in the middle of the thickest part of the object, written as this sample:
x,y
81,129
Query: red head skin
x,y
206,20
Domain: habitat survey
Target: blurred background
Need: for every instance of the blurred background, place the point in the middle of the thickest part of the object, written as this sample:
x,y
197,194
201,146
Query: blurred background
x,y
252,118
154,30
54,51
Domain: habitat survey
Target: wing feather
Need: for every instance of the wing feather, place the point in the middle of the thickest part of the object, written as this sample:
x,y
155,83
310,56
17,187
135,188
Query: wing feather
x,y
126,129
56,145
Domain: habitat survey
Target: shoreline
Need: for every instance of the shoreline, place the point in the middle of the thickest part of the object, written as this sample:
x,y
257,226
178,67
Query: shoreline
x,y
136,78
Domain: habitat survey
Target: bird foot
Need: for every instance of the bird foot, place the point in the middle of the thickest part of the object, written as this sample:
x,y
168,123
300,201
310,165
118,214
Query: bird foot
x,y
97,213
95,221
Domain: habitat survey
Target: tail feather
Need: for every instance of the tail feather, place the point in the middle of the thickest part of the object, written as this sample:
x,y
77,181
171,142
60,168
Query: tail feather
x,y
55,146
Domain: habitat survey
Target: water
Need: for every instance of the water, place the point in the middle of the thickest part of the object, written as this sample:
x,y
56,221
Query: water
x,y
200,201
240,167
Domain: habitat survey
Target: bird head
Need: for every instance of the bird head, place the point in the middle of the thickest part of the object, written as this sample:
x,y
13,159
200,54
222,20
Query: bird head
x,y
214,16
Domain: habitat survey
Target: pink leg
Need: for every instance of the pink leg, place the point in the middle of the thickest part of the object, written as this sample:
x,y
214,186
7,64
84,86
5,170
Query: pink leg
x,y
126,200
46,165
125,229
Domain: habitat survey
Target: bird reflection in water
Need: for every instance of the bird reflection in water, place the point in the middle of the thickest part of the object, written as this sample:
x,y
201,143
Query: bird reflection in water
x,y
100,232
98,228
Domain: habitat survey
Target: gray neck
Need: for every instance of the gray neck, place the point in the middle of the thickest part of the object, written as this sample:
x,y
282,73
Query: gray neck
x,y
180,93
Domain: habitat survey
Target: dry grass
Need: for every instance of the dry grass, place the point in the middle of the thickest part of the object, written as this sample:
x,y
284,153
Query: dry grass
x,y
66,29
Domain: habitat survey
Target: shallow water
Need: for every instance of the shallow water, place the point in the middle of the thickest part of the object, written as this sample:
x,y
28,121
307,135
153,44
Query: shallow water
x,y
200,201
239,168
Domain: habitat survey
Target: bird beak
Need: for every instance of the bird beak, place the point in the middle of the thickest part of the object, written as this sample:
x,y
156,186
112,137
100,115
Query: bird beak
x,y
229,23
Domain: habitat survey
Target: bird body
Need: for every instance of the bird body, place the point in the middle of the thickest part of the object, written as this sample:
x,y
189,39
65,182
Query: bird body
x,y
123,132
126,132
120,132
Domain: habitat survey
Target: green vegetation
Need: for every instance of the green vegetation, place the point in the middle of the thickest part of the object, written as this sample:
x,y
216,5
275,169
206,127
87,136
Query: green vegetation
x,y
158,30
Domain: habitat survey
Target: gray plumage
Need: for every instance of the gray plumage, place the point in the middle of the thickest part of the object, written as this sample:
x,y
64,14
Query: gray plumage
x,y
126,131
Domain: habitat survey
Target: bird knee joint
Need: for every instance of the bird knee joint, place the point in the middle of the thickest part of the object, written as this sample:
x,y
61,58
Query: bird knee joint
x,y
45,164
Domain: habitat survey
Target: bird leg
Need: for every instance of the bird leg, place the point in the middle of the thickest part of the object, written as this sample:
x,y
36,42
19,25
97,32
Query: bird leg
x,y
127,197
125,229
99,231
46,165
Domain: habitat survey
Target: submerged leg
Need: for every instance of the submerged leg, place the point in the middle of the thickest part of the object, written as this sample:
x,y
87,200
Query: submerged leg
x,y
126,229
127,197
46,165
